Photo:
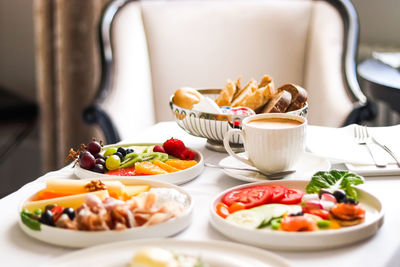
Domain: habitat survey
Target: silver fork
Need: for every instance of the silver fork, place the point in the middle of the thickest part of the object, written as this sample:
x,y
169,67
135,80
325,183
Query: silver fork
x,y
363,138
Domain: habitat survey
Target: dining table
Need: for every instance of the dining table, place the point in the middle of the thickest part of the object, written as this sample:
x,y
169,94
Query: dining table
x,y
382,249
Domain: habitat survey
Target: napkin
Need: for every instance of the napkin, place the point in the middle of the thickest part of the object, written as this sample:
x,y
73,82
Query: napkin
x,y
339,145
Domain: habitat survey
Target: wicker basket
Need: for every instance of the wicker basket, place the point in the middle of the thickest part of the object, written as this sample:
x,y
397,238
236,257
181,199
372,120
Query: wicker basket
x,y
213,126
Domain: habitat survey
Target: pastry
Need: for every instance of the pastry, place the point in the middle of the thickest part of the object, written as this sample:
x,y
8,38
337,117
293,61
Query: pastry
x,y
226,95
186,97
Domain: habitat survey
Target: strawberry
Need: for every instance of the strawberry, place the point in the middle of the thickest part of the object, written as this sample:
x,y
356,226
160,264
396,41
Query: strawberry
x,y
158,148
174,147
187,155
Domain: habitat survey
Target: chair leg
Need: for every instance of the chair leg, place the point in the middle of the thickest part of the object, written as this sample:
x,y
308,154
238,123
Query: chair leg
x,y
96,115
363,113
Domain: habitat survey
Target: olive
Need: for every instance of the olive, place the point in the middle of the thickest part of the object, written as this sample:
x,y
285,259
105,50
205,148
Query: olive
x,y
70,212
340,195
47,218
122,151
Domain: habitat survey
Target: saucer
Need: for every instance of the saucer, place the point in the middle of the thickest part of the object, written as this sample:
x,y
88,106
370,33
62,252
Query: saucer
x,y
306,166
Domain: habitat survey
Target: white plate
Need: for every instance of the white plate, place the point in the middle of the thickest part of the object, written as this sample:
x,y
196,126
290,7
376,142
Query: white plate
x,y
177,178
215,253
306,166
79,239
299,241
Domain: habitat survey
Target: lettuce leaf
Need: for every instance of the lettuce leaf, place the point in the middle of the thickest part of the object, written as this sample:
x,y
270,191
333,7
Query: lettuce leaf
x,y
334,180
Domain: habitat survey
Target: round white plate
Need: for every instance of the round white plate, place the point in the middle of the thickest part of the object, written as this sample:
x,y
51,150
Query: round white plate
x,y
79,239
177,178
215,253
317,240
306,166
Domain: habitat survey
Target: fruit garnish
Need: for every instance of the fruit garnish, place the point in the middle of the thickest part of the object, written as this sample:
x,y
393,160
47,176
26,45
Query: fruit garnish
x,y
174,147
158,148
181,164
147,168
187,155
123,172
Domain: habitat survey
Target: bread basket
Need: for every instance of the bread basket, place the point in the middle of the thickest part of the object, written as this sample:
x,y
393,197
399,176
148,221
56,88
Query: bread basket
x,y
213,126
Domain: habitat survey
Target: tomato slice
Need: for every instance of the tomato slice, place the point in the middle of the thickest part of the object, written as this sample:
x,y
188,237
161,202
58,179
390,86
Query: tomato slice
x,y
278,192
57,212
292,196
250,196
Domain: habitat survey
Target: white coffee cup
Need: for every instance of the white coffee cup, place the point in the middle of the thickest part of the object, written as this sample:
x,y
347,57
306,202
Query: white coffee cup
x,y
272,146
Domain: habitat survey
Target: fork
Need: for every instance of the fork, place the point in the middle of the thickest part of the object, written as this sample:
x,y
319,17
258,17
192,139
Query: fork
x,y
363,138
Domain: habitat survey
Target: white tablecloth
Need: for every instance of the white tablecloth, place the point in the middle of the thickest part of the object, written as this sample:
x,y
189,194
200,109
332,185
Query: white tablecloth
x,y
383,249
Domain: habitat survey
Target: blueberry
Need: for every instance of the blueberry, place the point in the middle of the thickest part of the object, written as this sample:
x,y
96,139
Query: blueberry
x,y
129,150
119,154
70,212
122,151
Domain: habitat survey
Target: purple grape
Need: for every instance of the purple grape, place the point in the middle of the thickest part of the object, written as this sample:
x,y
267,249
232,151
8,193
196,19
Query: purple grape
x,y
86,160
98,156
100,161
94,147
98,168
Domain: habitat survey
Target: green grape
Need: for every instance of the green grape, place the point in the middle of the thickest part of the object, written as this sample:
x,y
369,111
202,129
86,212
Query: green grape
x,y
113,162
110,151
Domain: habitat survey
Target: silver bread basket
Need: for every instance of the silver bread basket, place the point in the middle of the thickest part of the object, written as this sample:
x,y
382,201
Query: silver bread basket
x,y
213,126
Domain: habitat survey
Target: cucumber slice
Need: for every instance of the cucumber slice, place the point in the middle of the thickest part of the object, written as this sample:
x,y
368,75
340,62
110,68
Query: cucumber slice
x,y
246,218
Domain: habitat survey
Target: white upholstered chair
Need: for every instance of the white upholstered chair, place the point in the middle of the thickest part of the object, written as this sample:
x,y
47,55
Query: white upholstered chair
x,y
151,48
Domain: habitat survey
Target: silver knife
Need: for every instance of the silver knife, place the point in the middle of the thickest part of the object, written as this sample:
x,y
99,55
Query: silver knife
x,y
390,152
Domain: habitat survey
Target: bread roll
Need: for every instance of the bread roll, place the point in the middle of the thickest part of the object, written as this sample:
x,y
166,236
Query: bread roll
x,y
299,95
226,95
186,97
279,103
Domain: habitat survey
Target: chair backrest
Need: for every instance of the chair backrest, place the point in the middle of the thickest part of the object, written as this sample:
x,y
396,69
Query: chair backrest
x,y
160,46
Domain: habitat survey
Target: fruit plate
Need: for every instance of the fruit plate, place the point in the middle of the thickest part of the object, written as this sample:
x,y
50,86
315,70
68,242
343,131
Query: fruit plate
x,y
177,178
301,241
79,239
215,253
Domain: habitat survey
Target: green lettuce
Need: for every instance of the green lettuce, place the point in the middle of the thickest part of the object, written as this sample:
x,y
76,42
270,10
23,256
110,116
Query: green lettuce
x,y
334,180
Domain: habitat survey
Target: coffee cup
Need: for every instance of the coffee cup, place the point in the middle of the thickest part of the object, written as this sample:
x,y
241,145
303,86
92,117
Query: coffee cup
x,y
273,141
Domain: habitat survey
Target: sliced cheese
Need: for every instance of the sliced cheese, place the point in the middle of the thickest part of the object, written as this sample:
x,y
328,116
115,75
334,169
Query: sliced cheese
x,y
73,187
73,201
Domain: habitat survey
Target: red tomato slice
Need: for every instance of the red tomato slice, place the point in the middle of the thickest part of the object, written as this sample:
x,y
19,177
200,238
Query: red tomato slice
x,y
278,192
57,212
250,196
292,196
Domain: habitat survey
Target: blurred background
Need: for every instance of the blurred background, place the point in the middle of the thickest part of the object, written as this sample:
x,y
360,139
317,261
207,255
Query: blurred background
x,y
379,31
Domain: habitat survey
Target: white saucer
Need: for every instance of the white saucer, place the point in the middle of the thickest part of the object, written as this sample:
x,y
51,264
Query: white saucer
x,y
307,165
